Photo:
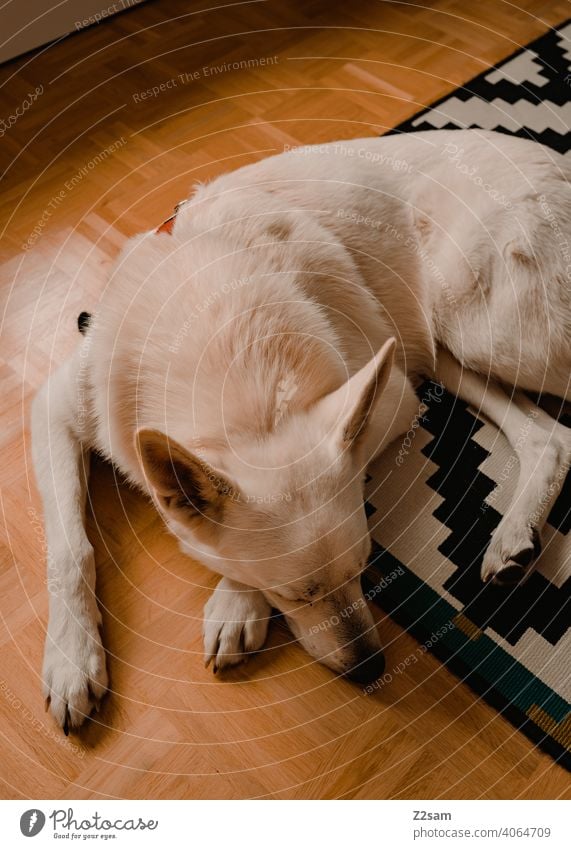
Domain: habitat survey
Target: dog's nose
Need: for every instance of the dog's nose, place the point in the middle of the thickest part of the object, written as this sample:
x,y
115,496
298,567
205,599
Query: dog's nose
x,y
367,670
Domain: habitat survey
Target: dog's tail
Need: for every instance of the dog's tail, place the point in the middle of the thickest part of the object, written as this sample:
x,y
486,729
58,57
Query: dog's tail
x,y
83,321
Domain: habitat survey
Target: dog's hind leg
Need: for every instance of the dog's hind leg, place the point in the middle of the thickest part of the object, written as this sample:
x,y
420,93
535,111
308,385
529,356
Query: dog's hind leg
x,y
543,449
74,673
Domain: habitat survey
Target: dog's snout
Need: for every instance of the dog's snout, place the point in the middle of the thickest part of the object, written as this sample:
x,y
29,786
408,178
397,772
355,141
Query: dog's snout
x,y
368,670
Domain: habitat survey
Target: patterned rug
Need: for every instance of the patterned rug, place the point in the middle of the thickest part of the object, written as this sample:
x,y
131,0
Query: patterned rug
x,y
512,646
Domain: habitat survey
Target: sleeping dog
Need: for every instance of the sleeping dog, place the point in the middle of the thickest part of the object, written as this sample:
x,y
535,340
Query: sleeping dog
x,y
250,357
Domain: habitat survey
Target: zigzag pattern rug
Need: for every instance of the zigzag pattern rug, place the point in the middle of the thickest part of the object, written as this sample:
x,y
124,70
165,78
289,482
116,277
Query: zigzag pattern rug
x,y
512,646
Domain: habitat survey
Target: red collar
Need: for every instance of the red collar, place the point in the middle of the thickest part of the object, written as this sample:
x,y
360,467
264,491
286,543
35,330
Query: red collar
x,y
166,226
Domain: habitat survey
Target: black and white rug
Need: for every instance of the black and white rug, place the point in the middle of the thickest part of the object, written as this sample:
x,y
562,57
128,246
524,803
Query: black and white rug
x,y
513,646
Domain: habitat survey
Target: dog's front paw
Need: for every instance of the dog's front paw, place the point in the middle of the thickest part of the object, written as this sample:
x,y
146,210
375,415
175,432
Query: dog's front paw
x,y
74,672
236,620
511,553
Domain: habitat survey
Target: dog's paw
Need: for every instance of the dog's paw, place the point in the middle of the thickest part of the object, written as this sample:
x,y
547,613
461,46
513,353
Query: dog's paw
x,y
511,554
74,672
236,621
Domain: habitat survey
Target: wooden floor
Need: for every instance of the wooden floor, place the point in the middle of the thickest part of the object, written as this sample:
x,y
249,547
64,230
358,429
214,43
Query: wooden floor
x,y
90,163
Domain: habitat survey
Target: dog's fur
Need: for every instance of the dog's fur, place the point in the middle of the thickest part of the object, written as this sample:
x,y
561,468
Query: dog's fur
x,y
240,370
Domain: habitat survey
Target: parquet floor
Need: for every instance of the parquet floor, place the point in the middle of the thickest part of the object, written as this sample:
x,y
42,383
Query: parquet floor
x,y
91,162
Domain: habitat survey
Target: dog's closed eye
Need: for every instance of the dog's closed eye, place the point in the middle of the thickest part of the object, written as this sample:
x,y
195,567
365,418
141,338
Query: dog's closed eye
x,y
312,590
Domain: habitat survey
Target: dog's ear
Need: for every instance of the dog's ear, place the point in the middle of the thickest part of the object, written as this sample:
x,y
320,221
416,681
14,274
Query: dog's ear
x,y
351,407
184,485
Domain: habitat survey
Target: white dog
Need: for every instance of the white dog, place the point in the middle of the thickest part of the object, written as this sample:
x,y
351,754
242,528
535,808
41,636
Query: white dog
x,y
250,357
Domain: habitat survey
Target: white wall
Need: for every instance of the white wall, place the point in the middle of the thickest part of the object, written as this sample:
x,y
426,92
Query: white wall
x,y
26,24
